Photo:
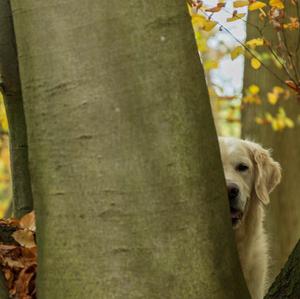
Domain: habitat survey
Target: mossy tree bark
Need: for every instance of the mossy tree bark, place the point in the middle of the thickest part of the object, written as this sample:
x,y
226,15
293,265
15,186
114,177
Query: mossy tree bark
x,y
126,174
282,220
287,283
21,188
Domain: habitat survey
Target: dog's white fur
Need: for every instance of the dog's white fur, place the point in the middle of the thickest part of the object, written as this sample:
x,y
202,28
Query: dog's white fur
x,y
255,184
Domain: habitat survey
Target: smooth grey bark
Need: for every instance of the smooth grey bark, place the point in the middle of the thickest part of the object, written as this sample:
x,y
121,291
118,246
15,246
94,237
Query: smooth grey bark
x,y
126,174
282,220
287,283
21,188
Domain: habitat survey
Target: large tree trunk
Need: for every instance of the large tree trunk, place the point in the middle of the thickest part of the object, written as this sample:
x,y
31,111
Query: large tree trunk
x,y
287,283
282,221
11,88
126,173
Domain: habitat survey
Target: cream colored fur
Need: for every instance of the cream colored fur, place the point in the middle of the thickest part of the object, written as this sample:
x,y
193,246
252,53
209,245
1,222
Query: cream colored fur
x,y
255,184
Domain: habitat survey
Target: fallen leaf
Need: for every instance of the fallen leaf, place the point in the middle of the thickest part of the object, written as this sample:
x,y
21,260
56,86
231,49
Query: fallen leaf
x,y
24,238
28,221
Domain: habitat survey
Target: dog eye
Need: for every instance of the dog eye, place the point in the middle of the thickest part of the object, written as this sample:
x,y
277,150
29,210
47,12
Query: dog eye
x,y
242,167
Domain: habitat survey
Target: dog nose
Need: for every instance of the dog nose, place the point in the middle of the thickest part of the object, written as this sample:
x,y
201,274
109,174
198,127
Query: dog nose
x,y
233,190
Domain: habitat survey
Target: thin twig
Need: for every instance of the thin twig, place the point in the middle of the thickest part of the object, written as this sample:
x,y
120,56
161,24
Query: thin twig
x,y
290,56
280,62
246,48
260,31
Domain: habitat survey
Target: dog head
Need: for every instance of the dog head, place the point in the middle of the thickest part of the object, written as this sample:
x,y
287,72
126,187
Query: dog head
x,y
250,173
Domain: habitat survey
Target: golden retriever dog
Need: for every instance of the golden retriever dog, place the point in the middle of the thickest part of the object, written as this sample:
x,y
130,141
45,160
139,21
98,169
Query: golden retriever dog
x,y
251,174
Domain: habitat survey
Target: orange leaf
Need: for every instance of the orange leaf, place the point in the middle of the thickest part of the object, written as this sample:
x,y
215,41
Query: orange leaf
x,y
28,221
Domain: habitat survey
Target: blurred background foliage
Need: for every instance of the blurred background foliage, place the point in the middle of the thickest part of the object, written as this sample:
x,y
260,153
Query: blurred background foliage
x,y
220,30
224,75
5,187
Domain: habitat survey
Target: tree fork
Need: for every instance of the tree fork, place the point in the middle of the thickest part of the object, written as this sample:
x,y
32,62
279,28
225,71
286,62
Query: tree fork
x,y
11,88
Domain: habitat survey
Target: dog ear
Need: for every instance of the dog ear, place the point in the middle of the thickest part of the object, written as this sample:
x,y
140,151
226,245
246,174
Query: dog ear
x,y
267,174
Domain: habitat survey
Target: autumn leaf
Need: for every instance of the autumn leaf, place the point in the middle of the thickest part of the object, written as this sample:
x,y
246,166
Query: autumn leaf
x,y
276,3
255,42
217,8
198,20
236,17
18,263
236,52
28,221
24,238
272,98
238,4
278,122
210,64
13,263
254,89
209,25
256,5
255,63
203,23
293,25
292,85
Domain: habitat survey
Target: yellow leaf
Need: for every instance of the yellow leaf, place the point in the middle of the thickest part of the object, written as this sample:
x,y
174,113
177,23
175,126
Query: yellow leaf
x,y
254,89
256,5
202,46
236,17
210,64
209,25
236,52
272,98
278,90
238,4
252,43
276,3
259,120
4,123
281,112
198,20
269,117
255,63
289,123
252,99
275,125
203,23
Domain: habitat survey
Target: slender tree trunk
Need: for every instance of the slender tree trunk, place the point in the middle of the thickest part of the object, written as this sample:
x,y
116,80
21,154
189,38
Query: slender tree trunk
x,y
287,283
126,173
21,187
11,89
282,221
